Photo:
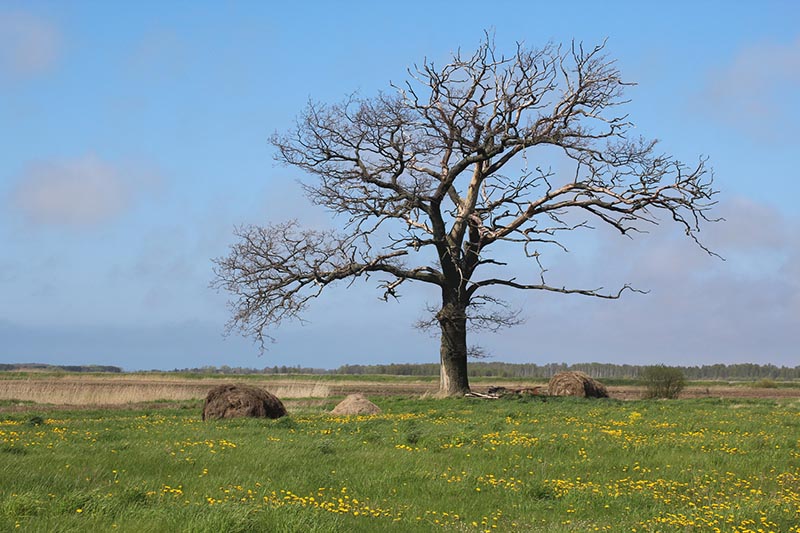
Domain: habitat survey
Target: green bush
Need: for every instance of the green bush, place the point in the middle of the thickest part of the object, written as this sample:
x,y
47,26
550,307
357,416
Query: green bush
x,y
765,383
663,381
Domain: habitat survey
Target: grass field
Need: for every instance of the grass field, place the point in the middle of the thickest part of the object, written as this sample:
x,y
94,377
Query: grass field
x,y
469,465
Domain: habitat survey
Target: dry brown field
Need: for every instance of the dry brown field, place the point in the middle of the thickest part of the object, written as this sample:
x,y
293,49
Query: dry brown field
x,y
126,390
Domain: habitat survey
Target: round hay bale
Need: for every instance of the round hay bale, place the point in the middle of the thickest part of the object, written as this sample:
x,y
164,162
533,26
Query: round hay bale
x,y
576,384
356,404
234,401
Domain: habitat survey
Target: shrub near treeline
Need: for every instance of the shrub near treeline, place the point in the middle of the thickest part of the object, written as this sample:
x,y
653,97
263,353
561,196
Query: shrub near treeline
x,y
663,382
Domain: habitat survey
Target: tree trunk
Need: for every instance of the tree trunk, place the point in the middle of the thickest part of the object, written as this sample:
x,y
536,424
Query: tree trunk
x,y
453,379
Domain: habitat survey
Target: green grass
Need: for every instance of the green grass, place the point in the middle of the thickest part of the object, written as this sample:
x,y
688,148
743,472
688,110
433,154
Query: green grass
x,y
423,465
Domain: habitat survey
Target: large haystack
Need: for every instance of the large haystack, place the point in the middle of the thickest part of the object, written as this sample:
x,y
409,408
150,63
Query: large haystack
x,y
234,401
356,404
576,384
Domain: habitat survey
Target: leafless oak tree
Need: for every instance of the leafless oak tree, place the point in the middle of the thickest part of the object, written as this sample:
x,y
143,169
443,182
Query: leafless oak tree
x,y
431,170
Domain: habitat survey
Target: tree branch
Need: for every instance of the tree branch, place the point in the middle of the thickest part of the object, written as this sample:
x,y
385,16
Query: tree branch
x,y
432,165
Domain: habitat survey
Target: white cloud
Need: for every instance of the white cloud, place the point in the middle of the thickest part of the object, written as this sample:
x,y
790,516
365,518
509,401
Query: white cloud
x,y
76,192
29,45
160,55
699,309
748,226
755,93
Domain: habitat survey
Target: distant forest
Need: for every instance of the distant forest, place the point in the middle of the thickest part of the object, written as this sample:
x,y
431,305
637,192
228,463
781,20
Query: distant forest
x,y
29,367
741,371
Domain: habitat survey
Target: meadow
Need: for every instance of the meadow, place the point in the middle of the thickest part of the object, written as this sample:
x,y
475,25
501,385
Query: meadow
x,y
424,464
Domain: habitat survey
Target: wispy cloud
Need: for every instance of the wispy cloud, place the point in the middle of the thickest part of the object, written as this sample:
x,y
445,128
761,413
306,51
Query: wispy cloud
x,y
29,45
756,91
699,309
749,226
160,55
72,192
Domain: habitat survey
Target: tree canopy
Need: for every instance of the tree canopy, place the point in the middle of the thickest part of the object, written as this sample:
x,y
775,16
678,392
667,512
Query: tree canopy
x,y
433,173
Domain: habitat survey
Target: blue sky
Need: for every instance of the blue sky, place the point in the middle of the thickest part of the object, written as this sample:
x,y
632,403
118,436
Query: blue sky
x,y
133,137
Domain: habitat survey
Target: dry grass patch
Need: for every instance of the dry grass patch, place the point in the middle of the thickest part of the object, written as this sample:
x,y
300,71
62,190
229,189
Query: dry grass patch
x,y
115,391
356,404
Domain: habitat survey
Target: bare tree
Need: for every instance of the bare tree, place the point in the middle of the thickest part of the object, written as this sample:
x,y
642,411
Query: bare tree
x,y
432,170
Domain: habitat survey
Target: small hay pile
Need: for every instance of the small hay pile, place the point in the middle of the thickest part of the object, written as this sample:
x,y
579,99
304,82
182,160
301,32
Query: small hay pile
x,y
356,404
234,401
576,384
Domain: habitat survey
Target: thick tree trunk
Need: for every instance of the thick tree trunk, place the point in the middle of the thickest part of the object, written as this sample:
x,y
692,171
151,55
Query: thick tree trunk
x,y
453,379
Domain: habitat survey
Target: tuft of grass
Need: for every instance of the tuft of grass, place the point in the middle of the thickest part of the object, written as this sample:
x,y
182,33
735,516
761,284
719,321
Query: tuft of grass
x,y
326,446
20,506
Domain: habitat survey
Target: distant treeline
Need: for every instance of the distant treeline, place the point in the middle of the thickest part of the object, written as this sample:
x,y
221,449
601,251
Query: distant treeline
x,y
742,371
598,370
21,367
